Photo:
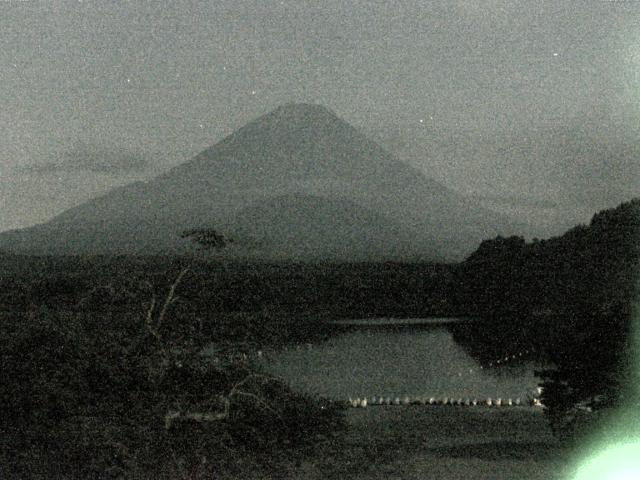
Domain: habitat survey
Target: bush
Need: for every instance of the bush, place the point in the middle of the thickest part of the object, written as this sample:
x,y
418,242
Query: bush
x,y
93,397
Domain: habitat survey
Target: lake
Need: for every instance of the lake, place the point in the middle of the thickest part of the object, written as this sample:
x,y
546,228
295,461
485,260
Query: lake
x,y
416,357
399,322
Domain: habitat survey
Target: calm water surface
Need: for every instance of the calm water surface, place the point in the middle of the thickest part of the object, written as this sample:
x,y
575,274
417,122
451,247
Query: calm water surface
x,y
413,362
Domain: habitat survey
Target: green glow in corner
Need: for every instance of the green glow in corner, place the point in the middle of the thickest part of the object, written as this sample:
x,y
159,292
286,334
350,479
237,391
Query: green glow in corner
x,y
617,462
617,455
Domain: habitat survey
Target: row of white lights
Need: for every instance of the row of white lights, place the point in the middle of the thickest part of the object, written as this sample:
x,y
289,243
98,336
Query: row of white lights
x,y
468,402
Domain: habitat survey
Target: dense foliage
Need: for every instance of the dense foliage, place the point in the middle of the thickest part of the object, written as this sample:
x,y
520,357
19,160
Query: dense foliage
x,y
110,393
215,289
93,375
570,298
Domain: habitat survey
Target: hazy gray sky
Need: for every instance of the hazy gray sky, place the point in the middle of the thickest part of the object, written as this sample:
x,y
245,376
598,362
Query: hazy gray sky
x,y
532,106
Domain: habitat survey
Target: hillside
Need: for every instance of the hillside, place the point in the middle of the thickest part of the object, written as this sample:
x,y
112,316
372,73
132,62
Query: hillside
x,y
569,298
297,152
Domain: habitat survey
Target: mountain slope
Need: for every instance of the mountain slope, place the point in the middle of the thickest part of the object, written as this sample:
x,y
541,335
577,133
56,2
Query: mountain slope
x,y
295,227
296,149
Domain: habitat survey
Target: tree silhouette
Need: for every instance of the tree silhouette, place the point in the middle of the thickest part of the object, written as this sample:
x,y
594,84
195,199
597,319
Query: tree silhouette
x,y
207,238
570,298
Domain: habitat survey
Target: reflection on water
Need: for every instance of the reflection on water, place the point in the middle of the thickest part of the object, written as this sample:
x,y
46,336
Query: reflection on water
x,y
397,363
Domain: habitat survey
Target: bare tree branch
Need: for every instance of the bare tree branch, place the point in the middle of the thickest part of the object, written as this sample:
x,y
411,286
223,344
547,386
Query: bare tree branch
x,y
149,320
171,298
235,391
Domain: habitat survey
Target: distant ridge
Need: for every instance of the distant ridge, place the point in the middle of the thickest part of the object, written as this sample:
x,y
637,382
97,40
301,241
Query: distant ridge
x,y
345,196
